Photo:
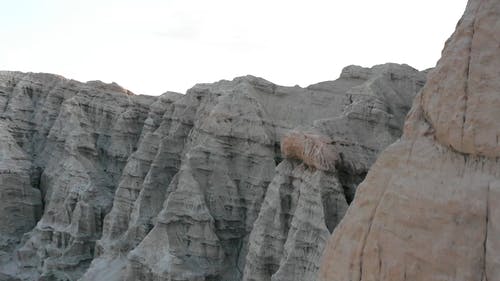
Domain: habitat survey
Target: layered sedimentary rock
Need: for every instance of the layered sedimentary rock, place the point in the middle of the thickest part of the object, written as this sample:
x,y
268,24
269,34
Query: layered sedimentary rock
x,y
21,203
323,164
107,185
64,146
428,208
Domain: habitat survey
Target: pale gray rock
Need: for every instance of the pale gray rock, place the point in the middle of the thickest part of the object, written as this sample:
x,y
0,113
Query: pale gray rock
x,y
21,204
75,139
292,228
185,187
5,277
312,187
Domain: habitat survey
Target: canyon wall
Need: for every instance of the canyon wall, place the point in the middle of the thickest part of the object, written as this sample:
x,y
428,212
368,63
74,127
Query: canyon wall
x,y
235,180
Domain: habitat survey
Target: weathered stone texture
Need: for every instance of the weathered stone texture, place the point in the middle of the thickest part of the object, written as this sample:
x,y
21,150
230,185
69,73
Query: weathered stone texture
x,y
102,184
428,208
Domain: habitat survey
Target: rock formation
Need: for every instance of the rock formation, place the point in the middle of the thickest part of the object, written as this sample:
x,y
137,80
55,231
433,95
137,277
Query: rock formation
x,y
100,184
324,163
428,208
64,146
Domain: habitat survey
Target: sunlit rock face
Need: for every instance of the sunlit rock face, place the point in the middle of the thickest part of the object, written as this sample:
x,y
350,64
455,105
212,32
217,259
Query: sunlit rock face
x,y
428,208
235,180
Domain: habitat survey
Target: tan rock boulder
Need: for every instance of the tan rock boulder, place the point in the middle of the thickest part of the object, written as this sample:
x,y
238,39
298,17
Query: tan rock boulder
x,y
428,208
461,100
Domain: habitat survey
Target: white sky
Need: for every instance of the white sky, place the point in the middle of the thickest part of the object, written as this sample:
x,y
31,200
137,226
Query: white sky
x,y
151,46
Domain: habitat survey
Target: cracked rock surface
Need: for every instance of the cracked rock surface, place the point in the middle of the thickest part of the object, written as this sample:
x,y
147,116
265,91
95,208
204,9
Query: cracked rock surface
x,y
428,208
236,180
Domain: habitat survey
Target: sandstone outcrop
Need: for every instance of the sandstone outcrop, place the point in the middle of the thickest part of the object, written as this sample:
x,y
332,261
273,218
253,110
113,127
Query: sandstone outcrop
x,y
102,184
428,207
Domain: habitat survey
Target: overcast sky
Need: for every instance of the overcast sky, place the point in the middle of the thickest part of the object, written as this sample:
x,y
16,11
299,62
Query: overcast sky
x,y
151,46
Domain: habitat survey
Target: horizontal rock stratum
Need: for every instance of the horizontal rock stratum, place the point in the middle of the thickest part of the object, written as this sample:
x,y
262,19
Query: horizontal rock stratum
x,y
235,180
429,208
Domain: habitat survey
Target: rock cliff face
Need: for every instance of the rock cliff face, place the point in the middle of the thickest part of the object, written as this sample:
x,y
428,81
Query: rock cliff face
x,y
323,165
428,208
64,146
100,184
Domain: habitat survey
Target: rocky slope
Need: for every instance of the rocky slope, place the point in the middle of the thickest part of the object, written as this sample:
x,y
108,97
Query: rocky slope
x,y
101,184
428,208
314,184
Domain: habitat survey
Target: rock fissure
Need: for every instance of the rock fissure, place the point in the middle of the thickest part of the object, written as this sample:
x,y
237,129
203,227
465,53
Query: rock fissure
x,y
487,226
467,75
367,234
